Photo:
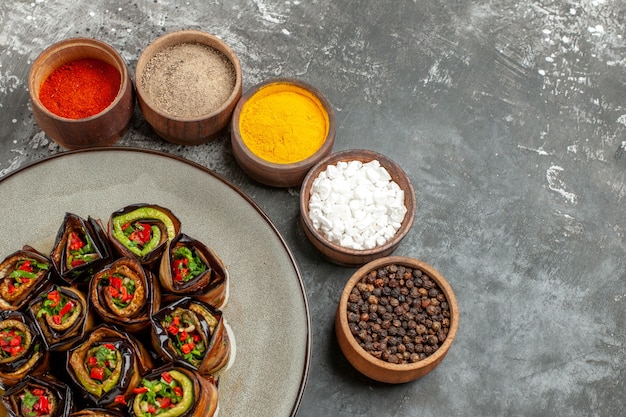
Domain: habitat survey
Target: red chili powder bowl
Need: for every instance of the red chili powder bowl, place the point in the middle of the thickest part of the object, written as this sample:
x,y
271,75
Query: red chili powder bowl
x,y
80,88
81,93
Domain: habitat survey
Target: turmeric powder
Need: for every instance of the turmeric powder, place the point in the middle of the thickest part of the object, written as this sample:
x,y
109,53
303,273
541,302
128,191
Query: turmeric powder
x,y
283,123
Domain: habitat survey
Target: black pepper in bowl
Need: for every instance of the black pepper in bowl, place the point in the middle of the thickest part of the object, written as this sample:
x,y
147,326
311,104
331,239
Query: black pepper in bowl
x,y
398,314
396,320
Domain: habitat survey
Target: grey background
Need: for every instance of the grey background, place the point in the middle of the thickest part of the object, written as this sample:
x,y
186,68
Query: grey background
x,y
509,118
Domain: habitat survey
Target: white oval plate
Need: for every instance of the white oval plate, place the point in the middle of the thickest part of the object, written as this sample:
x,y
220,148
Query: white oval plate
x,y
267,310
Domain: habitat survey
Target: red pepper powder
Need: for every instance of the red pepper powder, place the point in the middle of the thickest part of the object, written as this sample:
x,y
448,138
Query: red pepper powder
x,y
80,88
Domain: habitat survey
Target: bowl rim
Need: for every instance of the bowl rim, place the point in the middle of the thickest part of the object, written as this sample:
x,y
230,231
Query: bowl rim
x,y
365,155
179,37
436,276
274,166
68,43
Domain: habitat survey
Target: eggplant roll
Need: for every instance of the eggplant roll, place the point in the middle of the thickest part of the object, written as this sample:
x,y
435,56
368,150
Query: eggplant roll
x,y
175,392
193,334
22,349
80,248
190,268
43,396
23,275
125,294
107,365
141,231
63,316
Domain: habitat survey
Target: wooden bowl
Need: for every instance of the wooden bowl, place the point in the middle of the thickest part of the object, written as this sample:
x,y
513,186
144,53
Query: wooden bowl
x,y
193,130
379,369
102,129
272,173
333,251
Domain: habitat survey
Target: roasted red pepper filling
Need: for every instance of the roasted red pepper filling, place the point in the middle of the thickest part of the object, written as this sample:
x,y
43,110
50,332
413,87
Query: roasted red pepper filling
x,y
120,288
11,342
79,250
164,393
56,305
34,403
137,232
25,271
101,362
186,265
186,338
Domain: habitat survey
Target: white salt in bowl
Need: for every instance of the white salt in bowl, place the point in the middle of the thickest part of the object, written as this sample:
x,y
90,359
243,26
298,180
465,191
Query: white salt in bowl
x,y
322,240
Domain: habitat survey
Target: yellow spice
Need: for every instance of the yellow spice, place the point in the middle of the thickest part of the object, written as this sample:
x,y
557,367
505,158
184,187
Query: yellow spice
x,y
283,123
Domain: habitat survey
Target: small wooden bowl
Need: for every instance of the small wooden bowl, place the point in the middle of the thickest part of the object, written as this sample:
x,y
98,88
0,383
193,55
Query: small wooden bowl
x,y
378,369
271,173
334,252
187,130
102,129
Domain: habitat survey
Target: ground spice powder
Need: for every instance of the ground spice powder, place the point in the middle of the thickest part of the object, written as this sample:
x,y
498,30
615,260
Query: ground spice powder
x,y
283,123
80,88
188,80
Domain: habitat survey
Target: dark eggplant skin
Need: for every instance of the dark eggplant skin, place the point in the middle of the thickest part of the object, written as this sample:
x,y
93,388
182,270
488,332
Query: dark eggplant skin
x,y
137,320
155,215
20,298
79,275
97,412
135,362
35,359
62,394
210,287
218,347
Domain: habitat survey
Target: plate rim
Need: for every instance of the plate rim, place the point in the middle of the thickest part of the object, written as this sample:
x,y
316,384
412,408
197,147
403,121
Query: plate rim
x,y
233,187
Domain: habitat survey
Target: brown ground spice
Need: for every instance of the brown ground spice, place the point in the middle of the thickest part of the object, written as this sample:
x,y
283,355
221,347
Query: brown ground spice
x,y
189,79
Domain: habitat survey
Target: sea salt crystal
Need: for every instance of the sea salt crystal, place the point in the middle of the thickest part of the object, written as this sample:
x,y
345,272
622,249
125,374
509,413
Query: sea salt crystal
x,y
356,205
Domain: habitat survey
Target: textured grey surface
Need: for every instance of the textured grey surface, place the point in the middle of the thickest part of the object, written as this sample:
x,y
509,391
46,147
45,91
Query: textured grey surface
x,y
508,117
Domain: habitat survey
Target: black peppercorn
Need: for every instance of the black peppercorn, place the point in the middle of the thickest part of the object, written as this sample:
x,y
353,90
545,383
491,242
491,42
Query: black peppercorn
x,y
431,310
398,314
